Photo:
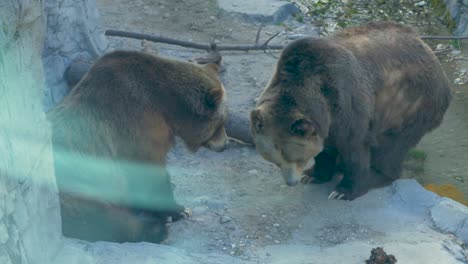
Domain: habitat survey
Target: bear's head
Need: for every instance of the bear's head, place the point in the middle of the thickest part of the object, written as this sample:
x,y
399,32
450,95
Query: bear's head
x,y
292,117
289,139
203,125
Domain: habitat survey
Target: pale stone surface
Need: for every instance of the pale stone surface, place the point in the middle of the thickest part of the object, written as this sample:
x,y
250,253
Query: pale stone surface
x,y
450,216
73,32
267,11
395,218
28,200
459,11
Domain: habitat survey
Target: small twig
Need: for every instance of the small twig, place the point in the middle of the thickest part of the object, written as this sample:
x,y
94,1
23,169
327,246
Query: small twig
x,y
271,53
257,38
194,45
240,142
265,44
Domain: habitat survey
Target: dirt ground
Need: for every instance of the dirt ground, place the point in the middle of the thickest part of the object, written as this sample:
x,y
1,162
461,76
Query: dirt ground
x,y
239,201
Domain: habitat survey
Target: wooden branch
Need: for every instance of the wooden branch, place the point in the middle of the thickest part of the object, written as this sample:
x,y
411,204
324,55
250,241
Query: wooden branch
x,y
444,37
241,47
194,45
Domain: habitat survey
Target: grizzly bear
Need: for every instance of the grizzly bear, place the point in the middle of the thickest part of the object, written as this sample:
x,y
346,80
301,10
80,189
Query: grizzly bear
x,y
352,103
112,132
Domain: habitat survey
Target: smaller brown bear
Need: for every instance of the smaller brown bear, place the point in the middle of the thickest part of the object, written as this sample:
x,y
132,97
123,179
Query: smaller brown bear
x,y
353,103
111,135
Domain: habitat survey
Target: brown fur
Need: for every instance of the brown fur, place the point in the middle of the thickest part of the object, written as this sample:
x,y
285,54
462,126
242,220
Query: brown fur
x,y
363,97
111,135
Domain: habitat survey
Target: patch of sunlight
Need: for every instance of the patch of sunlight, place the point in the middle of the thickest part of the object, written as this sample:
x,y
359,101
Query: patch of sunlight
x,y
449,191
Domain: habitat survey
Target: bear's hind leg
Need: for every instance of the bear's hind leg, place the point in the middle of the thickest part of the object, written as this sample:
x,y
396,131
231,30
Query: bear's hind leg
x,y
388,155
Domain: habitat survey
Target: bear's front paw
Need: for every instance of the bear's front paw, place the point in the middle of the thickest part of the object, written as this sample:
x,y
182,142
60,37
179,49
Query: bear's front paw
x,y
186,213
180,213
309,176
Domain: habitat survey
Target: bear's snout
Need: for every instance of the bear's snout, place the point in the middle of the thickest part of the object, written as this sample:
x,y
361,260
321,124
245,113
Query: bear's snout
x,y
219,142
290,175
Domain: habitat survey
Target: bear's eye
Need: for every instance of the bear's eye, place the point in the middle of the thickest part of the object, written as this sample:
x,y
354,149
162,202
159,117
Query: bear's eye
x,y
258,127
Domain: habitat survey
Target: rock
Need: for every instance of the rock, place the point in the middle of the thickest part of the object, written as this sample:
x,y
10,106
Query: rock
x,y
296,36
458,81
440,47
456,52
73,32
238,127
458,11
4,236
30,226
411,192
421,4
264,11
224,219
253,172
457,223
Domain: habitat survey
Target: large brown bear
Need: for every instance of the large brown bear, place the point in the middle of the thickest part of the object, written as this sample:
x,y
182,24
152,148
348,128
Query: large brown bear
x,y
359,100
111,135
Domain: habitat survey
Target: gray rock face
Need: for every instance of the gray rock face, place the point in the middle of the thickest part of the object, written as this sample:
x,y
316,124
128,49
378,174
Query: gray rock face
x,y
264,11
450,216
459,12
29,210
73,33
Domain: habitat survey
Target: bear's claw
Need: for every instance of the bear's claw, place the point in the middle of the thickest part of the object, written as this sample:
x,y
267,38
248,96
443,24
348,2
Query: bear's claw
x,y
186,213
306,179
336,195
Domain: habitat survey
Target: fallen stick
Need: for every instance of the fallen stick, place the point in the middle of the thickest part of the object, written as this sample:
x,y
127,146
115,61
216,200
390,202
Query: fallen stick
x,y
444,37
241,47
189,44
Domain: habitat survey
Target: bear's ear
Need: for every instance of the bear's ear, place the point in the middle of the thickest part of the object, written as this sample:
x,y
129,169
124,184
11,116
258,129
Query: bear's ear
x,y
213,67
256,121
303,127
